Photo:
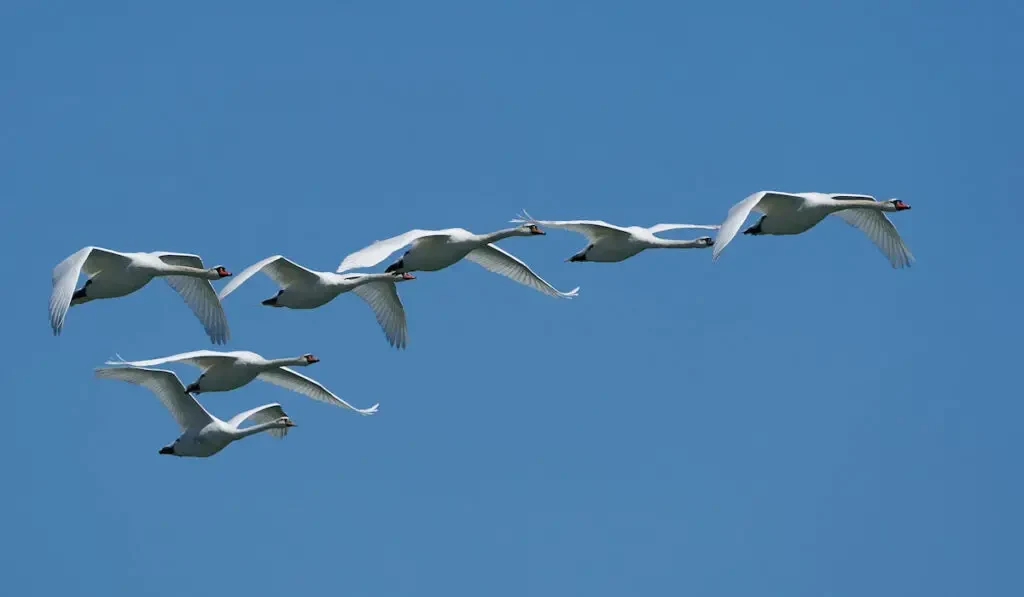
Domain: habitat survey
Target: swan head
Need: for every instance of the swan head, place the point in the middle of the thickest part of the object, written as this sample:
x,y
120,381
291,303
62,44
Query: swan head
x,y
219,272
286,422
705,241
530,230
169,449
898,205
308,359
402,276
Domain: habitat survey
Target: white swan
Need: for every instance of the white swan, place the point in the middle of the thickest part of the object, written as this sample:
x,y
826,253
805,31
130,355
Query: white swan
x,y
113,274
793,213
433,250
610,243
303,288
226,371
202,433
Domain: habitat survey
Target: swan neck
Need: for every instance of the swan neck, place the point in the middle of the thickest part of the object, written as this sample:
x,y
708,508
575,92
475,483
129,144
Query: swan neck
x,y
184,270
288,362
240,433
664,243
861,204
498,235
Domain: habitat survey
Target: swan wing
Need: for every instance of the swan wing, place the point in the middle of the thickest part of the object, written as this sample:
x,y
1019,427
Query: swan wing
x,y
663,227
495,259
375,253
262,414
167,387
296,382
760,201
203,359
382,296
879,228
592,229
91,260
199,295
283,271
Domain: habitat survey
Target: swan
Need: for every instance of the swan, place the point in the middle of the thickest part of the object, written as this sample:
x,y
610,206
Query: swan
x,y
113,274
226,371
434,250
609,243
203,434
303,288
793,213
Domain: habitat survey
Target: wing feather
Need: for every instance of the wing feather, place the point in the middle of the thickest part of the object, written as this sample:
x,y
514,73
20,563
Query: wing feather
x,y
495,259
188,413
382,296
292,380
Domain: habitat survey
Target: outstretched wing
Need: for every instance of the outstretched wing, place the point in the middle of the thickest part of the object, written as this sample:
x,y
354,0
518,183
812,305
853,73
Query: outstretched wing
x,y
879,228
592,229
283,271
382,296
375,253
167,387
739,212
92,260
495,259
296,382
262,414
203,359
199,295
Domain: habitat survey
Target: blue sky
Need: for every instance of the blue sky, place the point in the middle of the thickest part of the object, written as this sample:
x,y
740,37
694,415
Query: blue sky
x,y
796,419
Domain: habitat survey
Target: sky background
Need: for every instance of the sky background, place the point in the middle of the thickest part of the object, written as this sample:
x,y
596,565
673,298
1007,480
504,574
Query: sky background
x,y
796,419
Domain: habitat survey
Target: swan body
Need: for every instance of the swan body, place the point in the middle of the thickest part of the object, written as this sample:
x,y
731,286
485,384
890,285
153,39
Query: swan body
x,y
609,243
226,371
112,274
303,288
794,213
202,434
432,250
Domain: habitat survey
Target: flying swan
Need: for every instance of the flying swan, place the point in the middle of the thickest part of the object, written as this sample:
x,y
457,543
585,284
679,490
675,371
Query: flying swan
x,y
793,213
226,371
303,288
434,250
203,434
113,274
609,243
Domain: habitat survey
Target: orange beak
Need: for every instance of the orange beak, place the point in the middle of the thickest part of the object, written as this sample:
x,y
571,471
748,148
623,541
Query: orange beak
x,y
408,276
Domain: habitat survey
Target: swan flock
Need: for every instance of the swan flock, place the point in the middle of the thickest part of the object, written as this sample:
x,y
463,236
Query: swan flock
x,y
112,274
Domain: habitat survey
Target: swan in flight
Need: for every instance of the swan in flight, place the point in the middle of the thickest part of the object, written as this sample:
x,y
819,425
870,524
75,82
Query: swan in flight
x,y
303,288
113,274
434,250
610,243
225,371
202,433
793,213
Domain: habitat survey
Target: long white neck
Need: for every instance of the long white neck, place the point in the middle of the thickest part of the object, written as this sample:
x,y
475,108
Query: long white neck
x,y
194,272
663,243
288,362
240,433
840,205
500,234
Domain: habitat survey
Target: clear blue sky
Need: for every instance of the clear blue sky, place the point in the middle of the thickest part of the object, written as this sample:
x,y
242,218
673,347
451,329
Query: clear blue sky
x,y
797,419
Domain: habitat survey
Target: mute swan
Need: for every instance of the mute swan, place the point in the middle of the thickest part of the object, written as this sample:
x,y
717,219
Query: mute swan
x,y
302,288
434,250
203,434
793,213
610,243
225,371
113,274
